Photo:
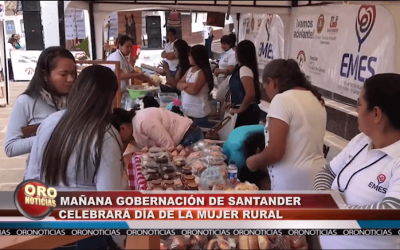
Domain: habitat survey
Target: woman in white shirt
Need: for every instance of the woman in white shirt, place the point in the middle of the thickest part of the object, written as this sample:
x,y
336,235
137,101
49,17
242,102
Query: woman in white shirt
x,y
124,50
295,128
196,85
169,55
227,60
244,86
367,171
78,149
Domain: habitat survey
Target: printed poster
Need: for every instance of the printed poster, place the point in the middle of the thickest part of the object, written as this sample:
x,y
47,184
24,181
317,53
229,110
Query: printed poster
x,y
340,46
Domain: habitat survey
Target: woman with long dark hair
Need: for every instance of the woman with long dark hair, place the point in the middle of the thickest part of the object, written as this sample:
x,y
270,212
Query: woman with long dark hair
x,y
244,86
181,50
46,93
78,148
195,85
295,128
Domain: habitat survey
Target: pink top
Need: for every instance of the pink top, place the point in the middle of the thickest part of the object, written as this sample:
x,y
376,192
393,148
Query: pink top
x,y
159,127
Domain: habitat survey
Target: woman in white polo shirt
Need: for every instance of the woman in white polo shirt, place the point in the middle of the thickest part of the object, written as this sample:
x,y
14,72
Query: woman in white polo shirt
x,y
295,128
124,50
367,171
227,60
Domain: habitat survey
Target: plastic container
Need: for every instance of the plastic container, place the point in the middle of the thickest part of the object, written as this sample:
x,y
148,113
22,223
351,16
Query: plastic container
x,y
166,98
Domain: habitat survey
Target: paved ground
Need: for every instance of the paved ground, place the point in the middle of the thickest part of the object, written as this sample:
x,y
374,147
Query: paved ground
x,y
11,169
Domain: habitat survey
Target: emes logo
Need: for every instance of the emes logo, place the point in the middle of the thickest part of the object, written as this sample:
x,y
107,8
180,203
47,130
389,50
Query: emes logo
x,y
360,65
266,48
381,179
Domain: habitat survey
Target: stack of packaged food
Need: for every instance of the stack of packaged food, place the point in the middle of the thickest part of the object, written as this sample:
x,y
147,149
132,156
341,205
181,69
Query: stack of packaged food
x,y
201,167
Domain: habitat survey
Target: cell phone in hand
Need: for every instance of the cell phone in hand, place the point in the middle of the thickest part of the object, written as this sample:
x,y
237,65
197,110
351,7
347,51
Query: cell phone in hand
x,y
29,130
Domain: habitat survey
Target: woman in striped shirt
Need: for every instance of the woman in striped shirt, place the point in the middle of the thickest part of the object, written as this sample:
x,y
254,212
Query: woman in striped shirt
x,y
367,171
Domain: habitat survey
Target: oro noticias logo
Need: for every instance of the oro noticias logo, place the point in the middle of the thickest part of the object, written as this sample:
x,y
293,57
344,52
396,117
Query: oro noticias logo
x,y
34,199
365,22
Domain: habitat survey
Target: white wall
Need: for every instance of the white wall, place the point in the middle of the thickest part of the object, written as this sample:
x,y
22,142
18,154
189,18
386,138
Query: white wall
x,y
51,32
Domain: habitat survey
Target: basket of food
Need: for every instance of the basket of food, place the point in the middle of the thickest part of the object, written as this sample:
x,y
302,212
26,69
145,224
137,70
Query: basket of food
x,y
136,91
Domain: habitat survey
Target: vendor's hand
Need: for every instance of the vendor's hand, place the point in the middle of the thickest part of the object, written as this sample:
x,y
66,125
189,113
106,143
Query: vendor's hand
x,y
216,72
165,66
227,106
233,111
131,59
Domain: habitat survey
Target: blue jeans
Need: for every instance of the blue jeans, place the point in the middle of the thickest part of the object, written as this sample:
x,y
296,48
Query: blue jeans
x,y
202,122
193,137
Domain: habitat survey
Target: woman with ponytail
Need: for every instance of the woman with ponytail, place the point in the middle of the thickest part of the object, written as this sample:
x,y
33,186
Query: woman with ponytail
x,y
295,128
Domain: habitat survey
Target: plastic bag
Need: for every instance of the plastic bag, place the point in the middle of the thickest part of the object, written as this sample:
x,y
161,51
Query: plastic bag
x,y
211,177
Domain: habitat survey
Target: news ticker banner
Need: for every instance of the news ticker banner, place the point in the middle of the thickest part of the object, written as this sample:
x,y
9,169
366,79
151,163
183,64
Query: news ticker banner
x,y
189,232
35,205
340,46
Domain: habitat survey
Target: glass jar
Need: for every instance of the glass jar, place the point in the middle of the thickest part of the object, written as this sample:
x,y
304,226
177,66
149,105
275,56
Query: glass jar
x,y
193,186
156,183
169,184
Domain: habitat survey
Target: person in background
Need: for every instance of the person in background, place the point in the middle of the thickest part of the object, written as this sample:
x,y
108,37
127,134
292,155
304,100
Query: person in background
x,y
227,60
124,50
154,127
169,55
195,85
93,164
208,39
181,50
367,171
244,86
46,94
295,129
233,40
11,45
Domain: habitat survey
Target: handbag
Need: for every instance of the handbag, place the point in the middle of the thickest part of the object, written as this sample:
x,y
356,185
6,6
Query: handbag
x,y
212,134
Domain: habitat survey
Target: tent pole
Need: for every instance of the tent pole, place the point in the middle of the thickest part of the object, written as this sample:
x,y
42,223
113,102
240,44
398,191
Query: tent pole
x,y
92,31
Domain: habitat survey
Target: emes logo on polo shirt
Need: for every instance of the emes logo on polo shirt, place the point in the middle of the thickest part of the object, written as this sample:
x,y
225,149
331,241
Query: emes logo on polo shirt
x,y
381,179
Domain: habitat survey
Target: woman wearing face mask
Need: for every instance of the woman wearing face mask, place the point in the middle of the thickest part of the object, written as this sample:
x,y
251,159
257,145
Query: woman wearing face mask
x,y
195,85
78,149
295,128
181,50
367,171
154,127
244,86
46,93
124,50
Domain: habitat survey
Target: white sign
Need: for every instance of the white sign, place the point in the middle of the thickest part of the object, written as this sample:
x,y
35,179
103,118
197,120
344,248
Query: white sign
x,y
267,33
114,25
270,40
340,46
24,62
74,24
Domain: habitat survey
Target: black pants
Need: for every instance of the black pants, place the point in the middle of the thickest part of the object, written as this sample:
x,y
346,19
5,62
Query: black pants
x,y
251,116
10,70
208,43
